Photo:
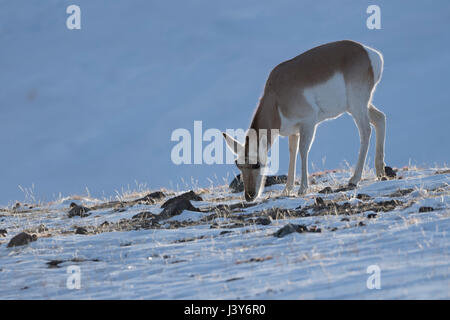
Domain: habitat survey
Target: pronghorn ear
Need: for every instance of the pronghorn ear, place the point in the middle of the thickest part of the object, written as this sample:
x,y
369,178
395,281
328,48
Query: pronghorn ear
x,y
233,144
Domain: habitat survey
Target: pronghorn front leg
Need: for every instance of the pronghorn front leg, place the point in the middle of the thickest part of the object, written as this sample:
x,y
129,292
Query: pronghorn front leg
x,y
378,119
293,150
307,132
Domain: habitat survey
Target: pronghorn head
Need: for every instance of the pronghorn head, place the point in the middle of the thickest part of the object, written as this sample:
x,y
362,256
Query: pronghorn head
x,y
251,161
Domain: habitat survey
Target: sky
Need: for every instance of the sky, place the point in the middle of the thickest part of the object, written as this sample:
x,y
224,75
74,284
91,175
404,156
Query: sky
x,y
92,110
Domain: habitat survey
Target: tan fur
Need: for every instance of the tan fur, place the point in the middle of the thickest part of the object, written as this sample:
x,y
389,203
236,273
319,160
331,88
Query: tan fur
x,y
341,75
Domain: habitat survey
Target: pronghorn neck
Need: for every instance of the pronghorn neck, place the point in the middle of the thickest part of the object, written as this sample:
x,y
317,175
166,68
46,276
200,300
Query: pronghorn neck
x,y
266,119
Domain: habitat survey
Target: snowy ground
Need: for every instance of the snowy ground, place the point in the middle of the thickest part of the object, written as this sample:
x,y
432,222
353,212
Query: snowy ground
x,y
228,254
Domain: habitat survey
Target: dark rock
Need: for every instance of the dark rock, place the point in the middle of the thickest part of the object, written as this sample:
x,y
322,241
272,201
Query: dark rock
x,y
389,172
272,180
319,202
290,228
314,229
3,232
389,204
78,211
225,232
345,219
263,221
21,239
152,197
144,215
363,196
176,207
371,215
234,279
81,230
348,187
104,224
326,190
287,229
445,171
191,195
400,193
238,186
54,264
361,224
426,209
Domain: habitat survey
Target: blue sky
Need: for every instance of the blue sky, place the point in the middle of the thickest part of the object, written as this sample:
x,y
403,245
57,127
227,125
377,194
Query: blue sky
x,y
96,107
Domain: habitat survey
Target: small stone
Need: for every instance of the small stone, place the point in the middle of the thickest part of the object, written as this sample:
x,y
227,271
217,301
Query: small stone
x,y
81,230
371,215
290,228
326,190
78,211
287,229
21,239
144,215
263,221
238,186
426,209
104,224
3,232
54,263
362,196
319,202
272,180
314,229
176,207
152,197
191,195
348,187
389,172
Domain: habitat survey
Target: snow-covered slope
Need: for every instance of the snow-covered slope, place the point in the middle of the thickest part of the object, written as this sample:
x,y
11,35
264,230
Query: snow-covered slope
x,y
224,249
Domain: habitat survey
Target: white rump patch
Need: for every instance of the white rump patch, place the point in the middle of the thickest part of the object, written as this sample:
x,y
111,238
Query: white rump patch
x,y
376,60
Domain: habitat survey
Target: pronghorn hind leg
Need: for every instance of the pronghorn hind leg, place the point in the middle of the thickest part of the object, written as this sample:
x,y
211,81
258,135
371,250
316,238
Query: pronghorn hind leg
x,y
293,150
361,119
378,119
307,132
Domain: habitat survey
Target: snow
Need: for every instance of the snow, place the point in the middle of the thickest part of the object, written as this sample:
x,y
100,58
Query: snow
x,y
200,262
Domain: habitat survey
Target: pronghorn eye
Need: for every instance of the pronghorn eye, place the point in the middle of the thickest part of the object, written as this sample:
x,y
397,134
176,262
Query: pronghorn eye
x,y
248,165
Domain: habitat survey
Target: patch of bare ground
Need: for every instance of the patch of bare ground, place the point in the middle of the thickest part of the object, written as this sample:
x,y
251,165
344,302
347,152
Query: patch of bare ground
x,y
258,259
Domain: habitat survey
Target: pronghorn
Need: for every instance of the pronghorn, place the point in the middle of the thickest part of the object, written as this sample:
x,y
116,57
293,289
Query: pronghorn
x,y
320,84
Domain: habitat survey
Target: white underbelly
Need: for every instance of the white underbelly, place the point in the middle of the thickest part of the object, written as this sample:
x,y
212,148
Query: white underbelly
x,y
328,98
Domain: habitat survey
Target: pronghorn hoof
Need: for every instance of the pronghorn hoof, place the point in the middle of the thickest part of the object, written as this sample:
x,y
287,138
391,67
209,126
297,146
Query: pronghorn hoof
x,y
287,192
